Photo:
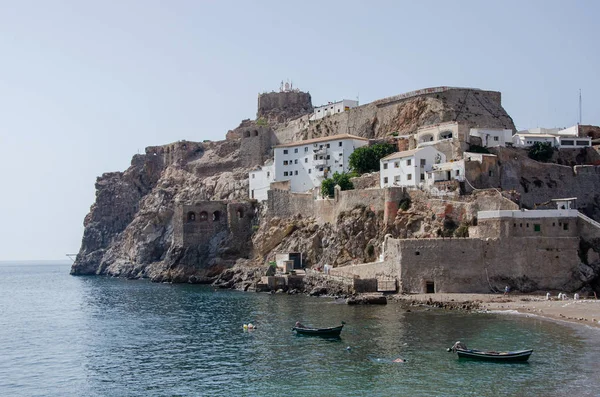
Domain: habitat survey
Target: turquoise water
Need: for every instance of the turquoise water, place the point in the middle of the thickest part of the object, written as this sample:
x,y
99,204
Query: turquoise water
x,y
93,336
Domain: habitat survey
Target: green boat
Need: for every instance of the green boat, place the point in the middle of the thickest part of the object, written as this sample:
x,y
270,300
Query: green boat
x,y
332,332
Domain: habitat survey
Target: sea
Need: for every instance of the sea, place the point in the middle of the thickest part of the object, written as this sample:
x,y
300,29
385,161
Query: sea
x,y
62,335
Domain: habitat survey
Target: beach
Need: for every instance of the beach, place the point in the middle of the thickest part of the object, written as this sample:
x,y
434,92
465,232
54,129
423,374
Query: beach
x,y
581,311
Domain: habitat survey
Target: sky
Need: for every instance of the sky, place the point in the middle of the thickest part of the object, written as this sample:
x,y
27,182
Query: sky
x,y
85,85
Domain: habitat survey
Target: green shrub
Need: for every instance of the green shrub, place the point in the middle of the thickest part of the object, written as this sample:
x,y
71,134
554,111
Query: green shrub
x,y
341,179
541,151
370,250
366,159
261,122
462,231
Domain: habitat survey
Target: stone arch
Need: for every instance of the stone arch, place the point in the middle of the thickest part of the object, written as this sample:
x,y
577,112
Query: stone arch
x,y
247,134
216,216
191,216
447,134
255,133
203,216
240,213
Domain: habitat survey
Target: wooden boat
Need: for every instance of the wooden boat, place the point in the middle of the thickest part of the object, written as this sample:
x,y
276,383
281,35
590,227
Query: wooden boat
x,y
333,332
514,356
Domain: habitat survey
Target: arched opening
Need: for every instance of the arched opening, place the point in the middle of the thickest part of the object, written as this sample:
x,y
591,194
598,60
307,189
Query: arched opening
x,y
255,133
191,216
216,216
247,134
240,213
203,216
426,138
445,135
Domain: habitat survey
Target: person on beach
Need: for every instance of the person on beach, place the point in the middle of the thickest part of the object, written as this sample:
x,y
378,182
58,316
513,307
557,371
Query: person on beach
x,y
506,290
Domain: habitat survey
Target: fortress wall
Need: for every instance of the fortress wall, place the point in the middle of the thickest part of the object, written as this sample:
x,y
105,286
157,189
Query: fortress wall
x,y
459,265
255,146
209,218
368,270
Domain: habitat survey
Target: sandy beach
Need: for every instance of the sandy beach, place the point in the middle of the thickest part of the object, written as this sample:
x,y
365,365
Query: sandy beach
x,y
582,311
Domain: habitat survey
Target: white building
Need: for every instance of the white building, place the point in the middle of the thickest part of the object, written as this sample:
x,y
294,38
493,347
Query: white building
x,y
333,108
454,170
527,139
565,138
305,164
492,137
408,168
260,180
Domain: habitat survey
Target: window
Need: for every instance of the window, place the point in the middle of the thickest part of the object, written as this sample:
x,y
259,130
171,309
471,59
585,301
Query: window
x,y
397,178
327,145
567,143
409,177
528,225
582,143
328,157
295,172
340,144
423,162
285,151
490,173
457,172
217,214
240,213
285,162
268,174
537,227
408,162
306,159
310,170
191,216
514,225
565,226
320,168
496,139
385,180
203,216
385,166
340,165
338,110
296,150
422,176
285,173
396,164
296,161
320,146
252,176
306,149
340,154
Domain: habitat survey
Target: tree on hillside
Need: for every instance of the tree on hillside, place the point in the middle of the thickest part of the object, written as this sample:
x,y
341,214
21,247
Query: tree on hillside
x,y
366,158
541,151
328,185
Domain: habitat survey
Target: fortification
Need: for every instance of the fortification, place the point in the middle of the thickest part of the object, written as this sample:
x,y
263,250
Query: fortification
x,y
278,107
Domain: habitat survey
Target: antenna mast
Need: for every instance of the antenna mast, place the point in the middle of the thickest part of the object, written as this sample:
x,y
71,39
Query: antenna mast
x,y
580,106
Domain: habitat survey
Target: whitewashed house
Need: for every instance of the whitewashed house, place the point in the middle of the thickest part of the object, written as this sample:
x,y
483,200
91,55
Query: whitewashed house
x,y
333,108
492,137
260,180
565,138
305,164
409,168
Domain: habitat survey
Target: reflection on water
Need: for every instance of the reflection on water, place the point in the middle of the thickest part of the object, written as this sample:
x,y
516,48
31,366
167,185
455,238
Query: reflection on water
x,y
64,335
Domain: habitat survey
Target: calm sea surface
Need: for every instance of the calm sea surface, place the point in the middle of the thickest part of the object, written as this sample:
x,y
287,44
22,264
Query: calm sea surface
x,y
93,336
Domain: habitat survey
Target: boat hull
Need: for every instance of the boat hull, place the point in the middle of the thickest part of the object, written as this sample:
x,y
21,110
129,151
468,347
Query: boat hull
x,y
516,356
333,332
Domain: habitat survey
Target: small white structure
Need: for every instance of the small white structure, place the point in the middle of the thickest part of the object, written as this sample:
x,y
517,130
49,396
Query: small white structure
x,y
436,133
409,168
565,138
492,137
526,139
260,180
305,163
565,203
333,108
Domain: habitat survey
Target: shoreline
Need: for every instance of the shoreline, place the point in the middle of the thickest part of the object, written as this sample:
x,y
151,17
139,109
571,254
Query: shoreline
x,y
581,312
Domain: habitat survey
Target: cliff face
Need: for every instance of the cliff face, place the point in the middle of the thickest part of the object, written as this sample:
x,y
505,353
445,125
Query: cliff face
x,y
129,230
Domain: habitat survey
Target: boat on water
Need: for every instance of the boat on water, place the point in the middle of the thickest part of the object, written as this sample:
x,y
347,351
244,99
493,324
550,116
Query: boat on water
x,y
510,356
332,332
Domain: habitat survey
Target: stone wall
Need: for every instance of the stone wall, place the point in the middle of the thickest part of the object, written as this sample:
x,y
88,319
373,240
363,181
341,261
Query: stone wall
x,y
195,225
525,227
366,181
480,266
476,108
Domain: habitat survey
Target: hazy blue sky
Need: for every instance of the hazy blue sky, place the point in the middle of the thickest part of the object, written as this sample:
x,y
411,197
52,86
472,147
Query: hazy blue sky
x,y
85,85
